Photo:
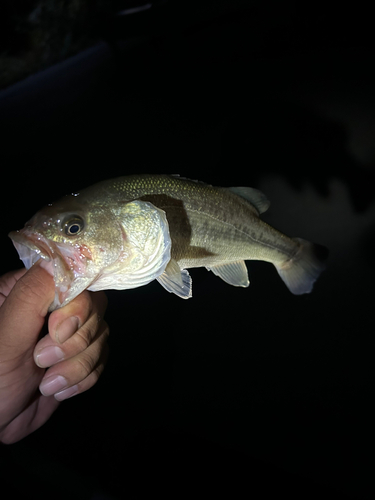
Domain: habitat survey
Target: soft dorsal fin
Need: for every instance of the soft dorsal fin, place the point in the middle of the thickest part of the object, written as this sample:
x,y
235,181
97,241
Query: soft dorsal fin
x,y
254,196
233,273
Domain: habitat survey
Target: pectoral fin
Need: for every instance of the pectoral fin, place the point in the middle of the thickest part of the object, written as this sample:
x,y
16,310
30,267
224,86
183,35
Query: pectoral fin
x,y
233,273
176,280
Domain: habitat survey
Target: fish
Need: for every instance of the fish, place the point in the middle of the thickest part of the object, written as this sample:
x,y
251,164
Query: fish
x,y
125,232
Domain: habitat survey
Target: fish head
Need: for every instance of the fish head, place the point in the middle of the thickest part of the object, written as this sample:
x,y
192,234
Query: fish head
x,y
95,245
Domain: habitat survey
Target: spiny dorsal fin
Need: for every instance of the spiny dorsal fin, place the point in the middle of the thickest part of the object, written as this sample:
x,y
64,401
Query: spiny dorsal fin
x,y
254,196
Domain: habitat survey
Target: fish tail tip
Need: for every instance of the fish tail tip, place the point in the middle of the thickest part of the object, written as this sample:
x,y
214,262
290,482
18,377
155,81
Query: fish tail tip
x,y
300,273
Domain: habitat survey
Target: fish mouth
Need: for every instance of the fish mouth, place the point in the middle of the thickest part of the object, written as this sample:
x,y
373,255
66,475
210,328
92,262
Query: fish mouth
x,y
66,262
31,247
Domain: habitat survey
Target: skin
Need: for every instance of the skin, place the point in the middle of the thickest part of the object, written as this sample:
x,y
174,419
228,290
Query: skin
x,y
30,369
208,225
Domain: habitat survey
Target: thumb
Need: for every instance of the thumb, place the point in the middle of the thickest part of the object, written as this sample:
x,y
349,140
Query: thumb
x,y
23,312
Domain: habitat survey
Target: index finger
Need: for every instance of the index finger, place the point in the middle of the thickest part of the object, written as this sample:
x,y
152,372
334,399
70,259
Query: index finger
x,y
64,322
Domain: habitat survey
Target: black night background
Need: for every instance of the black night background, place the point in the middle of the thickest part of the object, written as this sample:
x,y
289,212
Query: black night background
x,y
236,391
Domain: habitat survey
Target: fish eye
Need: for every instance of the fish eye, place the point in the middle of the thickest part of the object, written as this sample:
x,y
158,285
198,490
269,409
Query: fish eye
x,y
73,226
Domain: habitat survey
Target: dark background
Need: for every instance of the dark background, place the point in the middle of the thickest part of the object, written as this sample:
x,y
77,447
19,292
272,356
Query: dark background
x,y
236,390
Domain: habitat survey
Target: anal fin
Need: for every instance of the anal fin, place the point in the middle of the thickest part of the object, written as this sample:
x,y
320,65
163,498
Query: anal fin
x,y
233,273
176,280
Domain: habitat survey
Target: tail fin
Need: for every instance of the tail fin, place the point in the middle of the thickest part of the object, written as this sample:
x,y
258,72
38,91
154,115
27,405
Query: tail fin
x,y
300,272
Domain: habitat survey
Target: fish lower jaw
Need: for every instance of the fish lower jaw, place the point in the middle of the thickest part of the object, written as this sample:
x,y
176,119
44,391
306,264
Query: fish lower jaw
x,y
28,256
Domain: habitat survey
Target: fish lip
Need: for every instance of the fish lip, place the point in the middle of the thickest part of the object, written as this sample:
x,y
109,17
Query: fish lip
x,y
35,242
67,262
41,247
31,247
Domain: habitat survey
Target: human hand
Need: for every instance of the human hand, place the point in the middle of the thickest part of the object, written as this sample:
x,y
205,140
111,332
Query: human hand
x,y
74,351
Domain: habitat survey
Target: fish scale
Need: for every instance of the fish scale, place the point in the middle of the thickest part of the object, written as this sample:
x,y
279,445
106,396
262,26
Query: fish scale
x,y
223,225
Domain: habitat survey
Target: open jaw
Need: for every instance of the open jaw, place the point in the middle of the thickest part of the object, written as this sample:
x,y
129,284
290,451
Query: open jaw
x,y
67,263
31,247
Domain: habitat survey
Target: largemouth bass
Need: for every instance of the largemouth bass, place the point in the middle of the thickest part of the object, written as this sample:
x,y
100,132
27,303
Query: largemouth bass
x,y
126,232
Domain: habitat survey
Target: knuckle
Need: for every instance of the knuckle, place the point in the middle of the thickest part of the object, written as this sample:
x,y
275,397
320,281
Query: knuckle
x,y
96,374
86,303
105,329
92,332
91,379
98,371
80,306
86,364
83,338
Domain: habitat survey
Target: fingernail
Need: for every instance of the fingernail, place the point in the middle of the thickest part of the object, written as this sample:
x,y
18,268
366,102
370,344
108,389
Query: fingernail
x,y
52,384
67,393
49,356
66,329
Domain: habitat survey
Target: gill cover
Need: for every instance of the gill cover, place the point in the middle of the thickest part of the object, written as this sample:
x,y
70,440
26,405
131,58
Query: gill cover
x,y
146,247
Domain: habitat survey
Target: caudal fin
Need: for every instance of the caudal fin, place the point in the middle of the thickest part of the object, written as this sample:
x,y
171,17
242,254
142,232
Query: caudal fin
x,y
300,273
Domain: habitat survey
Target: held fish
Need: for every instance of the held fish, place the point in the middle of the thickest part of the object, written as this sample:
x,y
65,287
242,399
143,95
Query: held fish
x,y
125,232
